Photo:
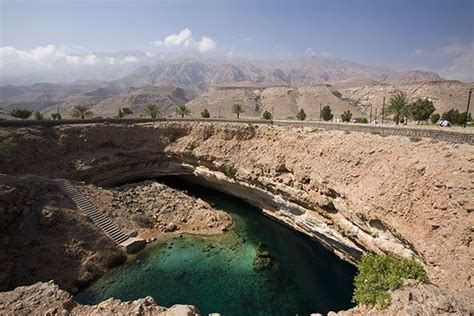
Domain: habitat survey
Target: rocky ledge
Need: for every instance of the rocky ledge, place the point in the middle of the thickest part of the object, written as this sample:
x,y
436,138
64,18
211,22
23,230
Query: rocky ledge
x,y
48,299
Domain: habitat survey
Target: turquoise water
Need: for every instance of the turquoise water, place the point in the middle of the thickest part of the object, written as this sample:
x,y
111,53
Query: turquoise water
x,y
217,274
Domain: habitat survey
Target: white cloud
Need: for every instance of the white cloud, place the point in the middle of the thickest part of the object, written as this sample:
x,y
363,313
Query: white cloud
x,y
206,44
459,63
130,59
149,54
184,39
15,62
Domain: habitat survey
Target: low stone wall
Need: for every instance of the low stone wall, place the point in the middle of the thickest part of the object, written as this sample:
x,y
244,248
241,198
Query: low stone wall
x,y
446,134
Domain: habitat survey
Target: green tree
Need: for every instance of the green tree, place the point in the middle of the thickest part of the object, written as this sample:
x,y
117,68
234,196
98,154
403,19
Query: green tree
x,y
205,114
152,110
421,110
301,115
81,112
346,116
379,274
456,117
434,118
182,110
56,116
238,109
39,116
123,112
20,113
326,113
267,115
397,106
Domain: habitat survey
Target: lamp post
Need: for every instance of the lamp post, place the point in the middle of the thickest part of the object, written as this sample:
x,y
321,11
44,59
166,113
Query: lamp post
x,y
370,120
383,109
320,106
467,110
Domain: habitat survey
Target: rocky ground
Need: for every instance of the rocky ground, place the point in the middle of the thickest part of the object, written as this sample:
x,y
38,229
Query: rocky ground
x,y
418,299
44,237
351,191
48,299
150,209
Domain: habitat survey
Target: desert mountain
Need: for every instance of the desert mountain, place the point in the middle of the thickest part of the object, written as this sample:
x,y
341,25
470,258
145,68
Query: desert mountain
x,y
200,75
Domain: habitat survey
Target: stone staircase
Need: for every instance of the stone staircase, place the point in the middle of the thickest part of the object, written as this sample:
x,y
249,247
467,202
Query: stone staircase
x,y
102,221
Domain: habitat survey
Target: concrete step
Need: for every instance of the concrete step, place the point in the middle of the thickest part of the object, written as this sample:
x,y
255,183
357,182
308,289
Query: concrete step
x,y
99,219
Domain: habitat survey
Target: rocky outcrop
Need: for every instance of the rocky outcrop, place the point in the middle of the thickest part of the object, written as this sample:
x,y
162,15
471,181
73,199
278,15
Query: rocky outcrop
x,y
48,299
419,299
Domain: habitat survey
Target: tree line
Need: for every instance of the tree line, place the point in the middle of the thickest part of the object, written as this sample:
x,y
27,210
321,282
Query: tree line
x,y
400,110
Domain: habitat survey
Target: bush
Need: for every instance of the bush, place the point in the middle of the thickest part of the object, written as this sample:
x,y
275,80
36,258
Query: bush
x,y
434,118
267,115
379,274
205,114
301,115
56,116
362,120
20,113
456,117
326,113
39,116
421,110
229,170
346,116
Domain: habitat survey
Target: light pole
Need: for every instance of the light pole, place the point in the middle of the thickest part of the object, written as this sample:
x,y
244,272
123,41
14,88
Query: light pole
x,y
467,110
383,109
370,120
320,106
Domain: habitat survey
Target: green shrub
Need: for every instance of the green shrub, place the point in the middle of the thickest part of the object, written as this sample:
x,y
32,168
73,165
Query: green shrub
x,y
434,118
326,113
229,170
205,114
301,115
267,115
20,113
346,116
379,274
362,120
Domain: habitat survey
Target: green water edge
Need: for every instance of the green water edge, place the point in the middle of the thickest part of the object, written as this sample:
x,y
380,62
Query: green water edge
x,y
217,273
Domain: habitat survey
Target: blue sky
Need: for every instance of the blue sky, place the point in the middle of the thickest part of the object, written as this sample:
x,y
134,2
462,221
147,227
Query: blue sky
x,y
424,34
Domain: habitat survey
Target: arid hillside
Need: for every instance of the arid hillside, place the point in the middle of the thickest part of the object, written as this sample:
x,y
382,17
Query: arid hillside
x,y
358,97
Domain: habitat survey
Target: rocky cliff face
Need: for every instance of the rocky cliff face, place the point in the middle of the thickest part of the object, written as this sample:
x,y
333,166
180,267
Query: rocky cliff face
x,y
350,191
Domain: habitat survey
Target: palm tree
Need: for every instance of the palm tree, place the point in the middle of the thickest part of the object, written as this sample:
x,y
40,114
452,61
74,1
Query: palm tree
x,y
20,113
152,110
397,106
82,112
182,110
39,116
237,109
